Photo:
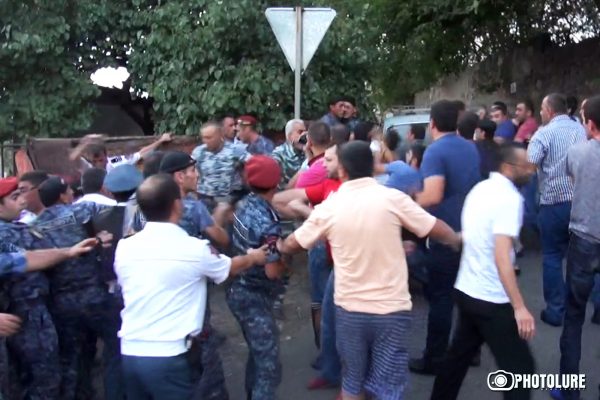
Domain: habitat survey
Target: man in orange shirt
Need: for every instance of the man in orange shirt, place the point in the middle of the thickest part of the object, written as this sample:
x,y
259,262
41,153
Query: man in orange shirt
x,y
371,287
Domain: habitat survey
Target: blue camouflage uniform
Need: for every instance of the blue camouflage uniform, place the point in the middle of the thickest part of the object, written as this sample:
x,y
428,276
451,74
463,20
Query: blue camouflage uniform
x,y
262,145
35,346
12,259
252,295
211,383
81,304
220,173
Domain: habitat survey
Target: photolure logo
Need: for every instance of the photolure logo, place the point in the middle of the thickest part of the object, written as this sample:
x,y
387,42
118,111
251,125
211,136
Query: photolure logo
x,y
503,381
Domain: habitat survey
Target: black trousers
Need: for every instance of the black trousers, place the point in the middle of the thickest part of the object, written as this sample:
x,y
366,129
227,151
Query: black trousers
x,y
483,322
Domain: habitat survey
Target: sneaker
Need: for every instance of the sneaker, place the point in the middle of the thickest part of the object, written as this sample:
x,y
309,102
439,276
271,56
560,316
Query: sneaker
x,y
320,383
421,366
550,321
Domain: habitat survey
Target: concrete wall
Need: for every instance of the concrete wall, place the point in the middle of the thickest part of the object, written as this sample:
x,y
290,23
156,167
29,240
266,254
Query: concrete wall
x,y
532,71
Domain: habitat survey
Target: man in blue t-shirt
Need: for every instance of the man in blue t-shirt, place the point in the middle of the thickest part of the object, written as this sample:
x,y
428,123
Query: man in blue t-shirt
x,y
505,129
450,169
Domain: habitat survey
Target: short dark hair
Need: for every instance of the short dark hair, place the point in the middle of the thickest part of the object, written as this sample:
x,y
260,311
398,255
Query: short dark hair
x,y
528,105
392,139
444,115
488,127
34,177
334,100
557,102
96,149
156,197
467,125
319,134
356,158
152,163
591,110
92,180
500,106
572,104
123,197
418,150
339,134
418,131
506,153
362,130
460,105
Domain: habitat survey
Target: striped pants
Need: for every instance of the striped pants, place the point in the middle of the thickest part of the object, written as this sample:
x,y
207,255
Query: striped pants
x,y
373,350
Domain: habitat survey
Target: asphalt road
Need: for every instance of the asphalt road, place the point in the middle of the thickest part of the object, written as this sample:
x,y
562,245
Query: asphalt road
x,y
298,349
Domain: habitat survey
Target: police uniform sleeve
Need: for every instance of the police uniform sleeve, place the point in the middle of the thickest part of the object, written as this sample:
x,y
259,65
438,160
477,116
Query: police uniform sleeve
x,y
12,260
204,219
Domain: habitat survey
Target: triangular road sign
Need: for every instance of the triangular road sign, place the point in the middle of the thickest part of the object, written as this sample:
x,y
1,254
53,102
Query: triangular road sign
x,y
315,22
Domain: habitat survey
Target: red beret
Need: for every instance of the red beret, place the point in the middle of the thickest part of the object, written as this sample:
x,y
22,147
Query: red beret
x,y
262,172
8,185
247,120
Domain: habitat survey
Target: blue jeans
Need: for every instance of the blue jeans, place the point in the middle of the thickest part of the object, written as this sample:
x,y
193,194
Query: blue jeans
x,y
148,378
530,194
318,270
443,267
554,230
582,256
330,366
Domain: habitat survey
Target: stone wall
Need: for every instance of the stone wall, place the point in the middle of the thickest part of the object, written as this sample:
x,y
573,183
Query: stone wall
x,y
525,72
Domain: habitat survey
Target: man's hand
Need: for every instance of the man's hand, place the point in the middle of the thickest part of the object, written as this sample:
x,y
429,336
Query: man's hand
x,y
259,256
456,243
525,323
165,137
83,247
9,324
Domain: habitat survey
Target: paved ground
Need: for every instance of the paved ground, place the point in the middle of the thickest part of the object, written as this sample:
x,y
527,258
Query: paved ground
x,y
298,350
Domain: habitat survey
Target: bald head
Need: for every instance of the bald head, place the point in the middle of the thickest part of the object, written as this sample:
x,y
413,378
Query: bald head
x,y
159,198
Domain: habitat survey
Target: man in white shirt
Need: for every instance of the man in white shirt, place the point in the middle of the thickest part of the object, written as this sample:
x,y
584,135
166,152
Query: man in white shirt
x,y
490,306
91,153
92,186
163,273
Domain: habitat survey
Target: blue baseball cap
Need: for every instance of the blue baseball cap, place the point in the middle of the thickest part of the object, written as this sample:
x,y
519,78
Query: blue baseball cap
x,y
123,178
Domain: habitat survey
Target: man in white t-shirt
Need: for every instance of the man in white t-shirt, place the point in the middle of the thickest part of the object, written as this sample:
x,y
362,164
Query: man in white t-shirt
x,y
91,153
163,274
490,306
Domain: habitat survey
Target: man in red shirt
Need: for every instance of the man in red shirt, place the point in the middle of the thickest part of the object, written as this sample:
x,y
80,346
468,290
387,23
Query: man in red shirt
x,y
296,203
526,123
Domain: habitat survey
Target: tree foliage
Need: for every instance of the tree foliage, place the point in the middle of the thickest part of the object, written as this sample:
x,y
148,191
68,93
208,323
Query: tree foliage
x,y
199,58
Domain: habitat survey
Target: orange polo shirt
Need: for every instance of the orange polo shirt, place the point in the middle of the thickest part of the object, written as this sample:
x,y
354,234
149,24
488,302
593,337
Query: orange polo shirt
x,y
362,222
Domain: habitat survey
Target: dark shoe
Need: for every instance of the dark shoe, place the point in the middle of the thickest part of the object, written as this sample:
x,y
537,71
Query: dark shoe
x,y
595,317
320,383
421,366
550,321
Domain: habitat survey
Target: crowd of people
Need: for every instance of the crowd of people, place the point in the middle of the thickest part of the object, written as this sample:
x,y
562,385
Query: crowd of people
x,y
127,258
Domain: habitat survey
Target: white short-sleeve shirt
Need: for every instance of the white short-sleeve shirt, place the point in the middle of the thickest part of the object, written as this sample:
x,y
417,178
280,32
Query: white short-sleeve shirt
x,y
493,207
163,273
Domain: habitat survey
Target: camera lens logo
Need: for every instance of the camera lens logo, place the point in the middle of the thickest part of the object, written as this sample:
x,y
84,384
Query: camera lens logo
x,y
500,381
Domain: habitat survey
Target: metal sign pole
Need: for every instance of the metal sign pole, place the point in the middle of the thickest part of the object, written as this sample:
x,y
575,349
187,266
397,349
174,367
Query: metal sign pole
x,y
298,69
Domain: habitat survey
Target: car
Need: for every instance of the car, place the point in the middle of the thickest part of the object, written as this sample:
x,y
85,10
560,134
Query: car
x,y
401,124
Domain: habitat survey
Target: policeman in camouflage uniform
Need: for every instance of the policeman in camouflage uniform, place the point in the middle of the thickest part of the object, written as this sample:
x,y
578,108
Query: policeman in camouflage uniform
x,y
197,222
257,143
253,293
80,299
35,345
219,165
